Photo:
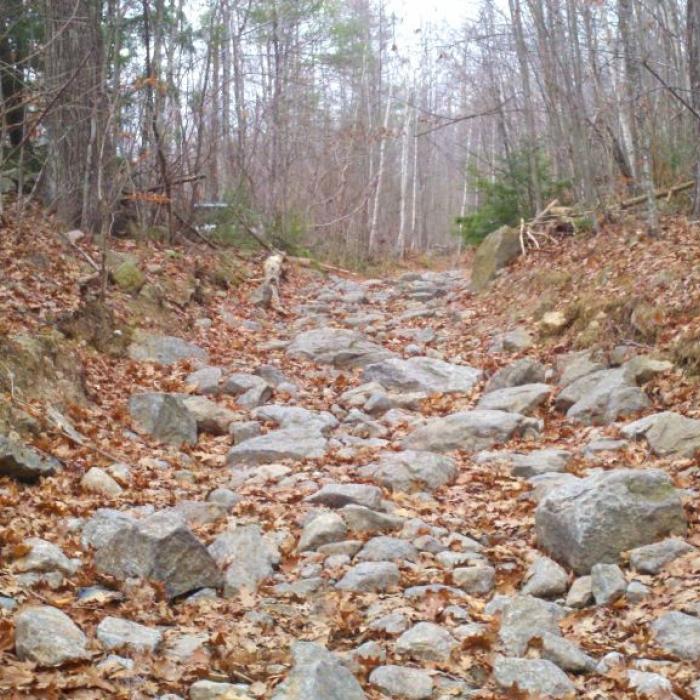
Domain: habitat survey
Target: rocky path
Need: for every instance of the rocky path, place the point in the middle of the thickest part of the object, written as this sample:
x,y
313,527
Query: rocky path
x,y
403,511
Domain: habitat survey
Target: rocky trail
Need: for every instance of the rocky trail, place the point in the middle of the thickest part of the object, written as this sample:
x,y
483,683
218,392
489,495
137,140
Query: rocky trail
x,y
365,499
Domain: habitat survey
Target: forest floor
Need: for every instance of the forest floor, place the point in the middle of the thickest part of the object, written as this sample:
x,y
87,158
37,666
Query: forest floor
x,y
619,293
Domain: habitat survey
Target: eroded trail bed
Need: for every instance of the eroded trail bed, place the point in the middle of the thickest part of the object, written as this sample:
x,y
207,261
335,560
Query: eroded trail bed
x,y
367,498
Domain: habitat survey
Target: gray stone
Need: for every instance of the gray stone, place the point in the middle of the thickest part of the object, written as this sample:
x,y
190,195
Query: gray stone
x,y
475,580
608,583
518,373
543,484
317,675
385,548
291,443
525,618
595,519
411,471
594,447
576,365
426,641
295,416
273,375
565,654
250,390
205,380
651,558
48,637
23,462
115,633
339,495
514,340
602,406
678,634
370,577
422,374
44,556
241,431
518,399
209,415
668,434
163,416
538,677
216,690
97,480
402,682
581,593
323,529
224,498
159,547
636,592
470,430
345,548
642,368
246,556
338,347
164,349
102,526
605,379
362,519
392,624
497,250
545,579
650,685
539,462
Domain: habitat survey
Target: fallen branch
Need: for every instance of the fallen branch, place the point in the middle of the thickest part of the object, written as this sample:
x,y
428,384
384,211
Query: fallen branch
x,y
90,261
668,193
306,262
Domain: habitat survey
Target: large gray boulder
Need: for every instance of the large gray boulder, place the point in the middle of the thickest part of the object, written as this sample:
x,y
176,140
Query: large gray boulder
x,y
288,443
470,430
317,675
164,349
424,374
668,434
160,547
164,416
497,250
338,347
411,470
48,637
678,634
593,520
24,463
246,556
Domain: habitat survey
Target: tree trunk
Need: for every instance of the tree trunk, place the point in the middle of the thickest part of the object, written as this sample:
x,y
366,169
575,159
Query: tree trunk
x,y
694,71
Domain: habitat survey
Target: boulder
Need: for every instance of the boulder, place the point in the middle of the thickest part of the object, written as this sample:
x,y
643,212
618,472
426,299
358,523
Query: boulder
x,y
426,641
317,675
339,495
159,547
422,374
370,577
678,634
209,415
580,594
250,390
523,371
565,654
537,677
497,250
608,583
97,480
24,463
651,558
361,519
478,579
411,470
337,347
514,340
524,618
217,690
44,556
117,633
246,557
384,548
289,443
576,365
470,430
668,434
205,380
323,529
164,349
402,682
518,399
164,416
102,526
545,579
289,417
48,637
593,520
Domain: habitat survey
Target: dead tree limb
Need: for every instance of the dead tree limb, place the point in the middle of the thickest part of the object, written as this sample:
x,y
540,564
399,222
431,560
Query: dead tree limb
x,y
669,192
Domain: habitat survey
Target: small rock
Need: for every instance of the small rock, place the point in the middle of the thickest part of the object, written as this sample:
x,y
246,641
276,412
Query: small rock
x,y
325,528
115,633
163,416
581,593
241,431
565,654
426,641
392,624
216,690
553,323
164,349
650,685
48,637
387,549
205,380
410,470
518,399
524,618
339,495
637,592
361,519
209,415
524,371
22,462
651,558
545,579
668,433
678,634
370,577
97,480
44,556
608,583
223,497
537,677
402,682
475,580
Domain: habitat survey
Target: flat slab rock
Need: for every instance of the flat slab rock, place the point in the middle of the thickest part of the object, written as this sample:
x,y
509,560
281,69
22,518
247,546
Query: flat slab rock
x,y
470,430
370,577
338,347
287,443
668,433
678,634
595,519
424,374
538,677
411,470
517,399
164,416
23,462
48,637
164,349
339,495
